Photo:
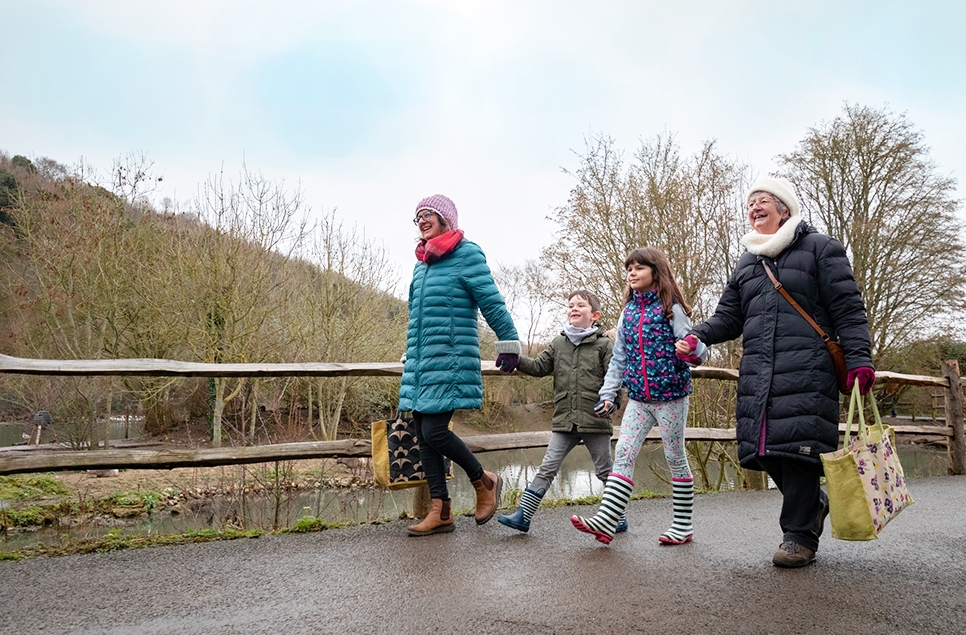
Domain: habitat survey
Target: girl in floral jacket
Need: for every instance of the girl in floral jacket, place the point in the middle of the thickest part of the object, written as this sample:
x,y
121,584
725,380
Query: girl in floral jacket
x,y
658,382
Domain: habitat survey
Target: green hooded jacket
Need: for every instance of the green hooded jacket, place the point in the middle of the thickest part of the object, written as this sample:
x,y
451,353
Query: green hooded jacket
x,y
578,373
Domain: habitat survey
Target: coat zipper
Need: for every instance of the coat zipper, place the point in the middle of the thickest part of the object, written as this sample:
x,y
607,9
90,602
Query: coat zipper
x,y
419,336
640,345
761,437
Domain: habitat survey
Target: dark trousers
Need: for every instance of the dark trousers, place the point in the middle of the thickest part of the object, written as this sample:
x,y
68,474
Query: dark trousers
x,y
798,481
436,440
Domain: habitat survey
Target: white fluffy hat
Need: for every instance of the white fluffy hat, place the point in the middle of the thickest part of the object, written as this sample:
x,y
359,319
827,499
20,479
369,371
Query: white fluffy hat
x,y
779,187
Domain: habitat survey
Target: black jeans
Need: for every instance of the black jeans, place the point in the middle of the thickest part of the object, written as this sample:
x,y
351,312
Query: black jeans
x,y
436,440
798,481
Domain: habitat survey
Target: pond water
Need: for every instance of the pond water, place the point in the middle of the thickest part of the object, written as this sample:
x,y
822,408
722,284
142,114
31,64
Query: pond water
x,y
11,434
517,467
121,428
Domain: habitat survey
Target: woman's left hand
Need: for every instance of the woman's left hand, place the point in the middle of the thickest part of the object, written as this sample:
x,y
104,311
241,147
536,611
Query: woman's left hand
x,y
865,375
507,362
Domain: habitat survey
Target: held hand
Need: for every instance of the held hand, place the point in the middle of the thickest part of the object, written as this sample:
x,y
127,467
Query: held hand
x,y
604,408
687,345
507,362
684,348
865,376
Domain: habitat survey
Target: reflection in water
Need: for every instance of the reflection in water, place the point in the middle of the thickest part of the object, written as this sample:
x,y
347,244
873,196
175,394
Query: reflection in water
x,y
576,479
121,428
11,434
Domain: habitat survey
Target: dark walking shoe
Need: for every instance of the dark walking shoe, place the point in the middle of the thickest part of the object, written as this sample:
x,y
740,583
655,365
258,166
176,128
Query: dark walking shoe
x,y
791,555
819,524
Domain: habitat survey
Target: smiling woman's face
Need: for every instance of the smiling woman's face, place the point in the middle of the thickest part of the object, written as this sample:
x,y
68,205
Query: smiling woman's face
x,y
430,224
763,214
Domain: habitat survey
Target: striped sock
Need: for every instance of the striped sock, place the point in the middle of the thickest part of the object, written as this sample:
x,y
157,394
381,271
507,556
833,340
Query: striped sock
x,y
681,529
616,494
530,501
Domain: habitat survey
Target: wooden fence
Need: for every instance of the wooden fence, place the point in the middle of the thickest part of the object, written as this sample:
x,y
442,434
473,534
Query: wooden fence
x,y
20,459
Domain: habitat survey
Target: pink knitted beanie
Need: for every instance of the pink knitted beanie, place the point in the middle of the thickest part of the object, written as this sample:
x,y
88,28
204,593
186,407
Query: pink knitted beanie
x,y
443,206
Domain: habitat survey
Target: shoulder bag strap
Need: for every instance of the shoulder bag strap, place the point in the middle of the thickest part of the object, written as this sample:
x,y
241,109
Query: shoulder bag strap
x,y
781,290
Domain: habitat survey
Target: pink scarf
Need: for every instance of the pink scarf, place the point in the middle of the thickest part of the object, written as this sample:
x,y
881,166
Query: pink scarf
x,y
434,249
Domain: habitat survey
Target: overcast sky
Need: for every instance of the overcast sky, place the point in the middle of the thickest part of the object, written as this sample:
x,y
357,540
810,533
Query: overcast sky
x,y
374,105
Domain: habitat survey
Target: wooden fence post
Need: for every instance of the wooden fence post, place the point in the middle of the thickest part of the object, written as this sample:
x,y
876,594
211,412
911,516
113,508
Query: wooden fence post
x,y
755,480
421,501
954,418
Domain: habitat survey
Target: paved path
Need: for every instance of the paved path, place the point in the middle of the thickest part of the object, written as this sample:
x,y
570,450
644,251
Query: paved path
x,y
374,579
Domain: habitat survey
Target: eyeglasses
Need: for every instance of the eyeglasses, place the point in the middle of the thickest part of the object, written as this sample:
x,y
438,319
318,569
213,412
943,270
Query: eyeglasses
x,y
423,215
761,200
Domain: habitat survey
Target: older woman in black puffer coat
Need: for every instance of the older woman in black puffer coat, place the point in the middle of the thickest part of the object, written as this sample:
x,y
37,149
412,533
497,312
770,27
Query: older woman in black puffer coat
x,y
788,399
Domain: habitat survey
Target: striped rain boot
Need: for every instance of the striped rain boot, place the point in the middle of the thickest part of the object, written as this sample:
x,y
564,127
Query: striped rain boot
x,y
681,529
604,523
520,519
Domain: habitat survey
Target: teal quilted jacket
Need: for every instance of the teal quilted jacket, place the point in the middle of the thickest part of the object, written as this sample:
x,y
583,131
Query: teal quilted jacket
x,y
442,368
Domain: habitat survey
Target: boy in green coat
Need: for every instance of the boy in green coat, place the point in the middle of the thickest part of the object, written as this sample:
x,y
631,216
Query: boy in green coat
x,y
578,359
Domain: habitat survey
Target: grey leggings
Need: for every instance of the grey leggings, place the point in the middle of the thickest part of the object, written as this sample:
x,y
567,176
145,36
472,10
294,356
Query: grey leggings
x,y
561,443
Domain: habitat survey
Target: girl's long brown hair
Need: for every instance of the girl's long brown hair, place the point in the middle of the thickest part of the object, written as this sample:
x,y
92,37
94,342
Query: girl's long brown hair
x,y
667,287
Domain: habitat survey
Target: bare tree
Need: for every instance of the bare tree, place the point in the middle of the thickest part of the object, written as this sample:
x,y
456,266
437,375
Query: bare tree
x,y
76,275
689,207
236,274
92,273
532,297
349,313
866,178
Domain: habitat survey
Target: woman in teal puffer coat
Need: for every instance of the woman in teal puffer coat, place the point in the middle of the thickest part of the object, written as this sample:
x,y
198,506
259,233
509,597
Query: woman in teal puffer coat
x,y
451,282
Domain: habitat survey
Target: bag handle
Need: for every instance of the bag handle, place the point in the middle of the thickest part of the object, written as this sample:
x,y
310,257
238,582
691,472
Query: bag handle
x,y
791,300
863,429
875,415
855,399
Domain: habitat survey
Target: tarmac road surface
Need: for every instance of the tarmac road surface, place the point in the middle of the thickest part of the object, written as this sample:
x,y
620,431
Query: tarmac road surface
x,y
375,579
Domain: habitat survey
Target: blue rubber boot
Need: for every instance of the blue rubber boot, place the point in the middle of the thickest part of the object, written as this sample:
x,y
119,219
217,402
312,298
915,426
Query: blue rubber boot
x,y
621,524
520,519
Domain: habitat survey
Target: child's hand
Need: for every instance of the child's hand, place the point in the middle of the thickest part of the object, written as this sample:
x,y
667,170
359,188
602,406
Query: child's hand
x,y
603,408
683,347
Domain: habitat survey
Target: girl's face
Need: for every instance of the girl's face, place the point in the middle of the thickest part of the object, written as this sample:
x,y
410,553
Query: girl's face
x,y
640,277
580,313
429,224
763,214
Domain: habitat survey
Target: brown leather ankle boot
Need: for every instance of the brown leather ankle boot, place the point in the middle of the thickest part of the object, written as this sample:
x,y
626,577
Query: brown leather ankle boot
x,y
438,521
488,489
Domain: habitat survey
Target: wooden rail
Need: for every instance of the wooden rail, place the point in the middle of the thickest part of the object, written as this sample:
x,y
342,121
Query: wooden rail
x,y
29,459
20,459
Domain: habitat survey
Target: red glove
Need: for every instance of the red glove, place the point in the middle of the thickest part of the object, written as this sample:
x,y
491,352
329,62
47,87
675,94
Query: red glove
x,y
865,375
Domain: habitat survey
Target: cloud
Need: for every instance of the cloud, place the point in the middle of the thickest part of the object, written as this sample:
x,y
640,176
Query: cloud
x,y
374,105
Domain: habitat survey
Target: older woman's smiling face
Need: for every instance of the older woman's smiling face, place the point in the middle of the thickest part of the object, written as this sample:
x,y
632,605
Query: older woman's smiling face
x,y
763,214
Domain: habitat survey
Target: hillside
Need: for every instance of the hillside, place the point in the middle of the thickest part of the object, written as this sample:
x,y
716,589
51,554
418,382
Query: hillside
x,y
238,275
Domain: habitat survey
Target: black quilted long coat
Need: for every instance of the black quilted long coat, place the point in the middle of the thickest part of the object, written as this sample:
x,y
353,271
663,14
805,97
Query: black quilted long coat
x,y
788,399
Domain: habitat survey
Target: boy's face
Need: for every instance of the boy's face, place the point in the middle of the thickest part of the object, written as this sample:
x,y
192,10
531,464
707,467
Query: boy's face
x,y
580,313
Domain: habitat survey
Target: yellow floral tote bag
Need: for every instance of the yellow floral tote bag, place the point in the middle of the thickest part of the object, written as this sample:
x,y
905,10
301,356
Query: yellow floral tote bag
x,y
866,486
